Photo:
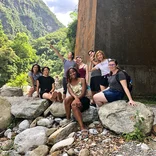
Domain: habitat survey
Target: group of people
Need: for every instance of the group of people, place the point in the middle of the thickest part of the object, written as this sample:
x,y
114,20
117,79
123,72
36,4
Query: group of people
x,y
103,83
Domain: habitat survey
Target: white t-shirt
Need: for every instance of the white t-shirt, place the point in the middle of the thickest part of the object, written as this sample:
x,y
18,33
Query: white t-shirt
x,y
103,66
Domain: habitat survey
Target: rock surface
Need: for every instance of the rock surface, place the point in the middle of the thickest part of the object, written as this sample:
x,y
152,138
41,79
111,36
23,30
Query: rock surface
x,y
57,109
90,115
41,150
29,108
61,144
119,117
11,91
62,133
5,115
29,138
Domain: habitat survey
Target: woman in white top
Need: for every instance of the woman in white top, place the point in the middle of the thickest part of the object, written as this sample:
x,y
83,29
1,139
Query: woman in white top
x,y
103,66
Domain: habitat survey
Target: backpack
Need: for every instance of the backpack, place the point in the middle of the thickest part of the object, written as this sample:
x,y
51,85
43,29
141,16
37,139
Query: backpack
x,y
128,80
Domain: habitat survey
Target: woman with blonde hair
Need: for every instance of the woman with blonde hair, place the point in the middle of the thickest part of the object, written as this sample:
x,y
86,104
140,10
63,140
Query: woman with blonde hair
x,y
103,66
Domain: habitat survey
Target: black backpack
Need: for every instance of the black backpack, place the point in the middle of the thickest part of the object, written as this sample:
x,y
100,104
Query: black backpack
x,y
128,80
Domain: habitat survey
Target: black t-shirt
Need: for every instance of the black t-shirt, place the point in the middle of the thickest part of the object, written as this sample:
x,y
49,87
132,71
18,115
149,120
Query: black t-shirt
x,y
46,83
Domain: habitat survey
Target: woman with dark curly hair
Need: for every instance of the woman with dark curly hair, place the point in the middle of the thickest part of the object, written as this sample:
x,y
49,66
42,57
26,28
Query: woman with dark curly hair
x,y
77,101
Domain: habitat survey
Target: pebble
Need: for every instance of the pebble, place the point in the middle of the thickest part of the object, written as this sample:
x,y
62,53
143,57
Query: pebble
x,y
93,131
144,147
105,131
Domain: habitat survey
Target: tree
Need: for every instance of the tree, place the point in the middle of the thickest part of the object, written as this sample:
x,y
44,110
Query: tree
x,y
8,68
24,51
72,27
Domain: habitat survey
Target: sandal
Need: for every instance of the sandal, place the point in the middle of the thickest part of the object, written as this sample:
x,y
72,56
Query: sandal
x,y
84,134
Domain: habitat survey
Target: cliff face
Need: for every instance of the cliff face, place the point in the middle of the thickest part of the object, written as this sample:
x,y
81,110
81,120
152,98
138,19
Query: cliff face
x,y
30,16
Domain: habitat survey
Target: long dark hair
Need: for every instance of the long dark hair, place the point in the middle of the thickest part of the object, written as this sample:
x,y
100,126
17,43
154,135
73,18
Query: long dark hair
x,y
73,55
39,68
68,75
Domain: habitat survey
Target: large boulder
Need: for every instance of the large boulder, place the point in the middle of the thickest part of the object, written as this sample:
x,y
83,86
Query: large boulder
x,y
28,108
57,109
5,115
119,117
30,138
11,91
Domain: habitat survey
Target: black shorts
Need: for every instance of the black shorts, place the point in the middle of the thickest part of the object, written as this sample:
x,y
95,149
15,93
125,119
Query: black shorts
x,y
104,81
95,83
42,92
85,103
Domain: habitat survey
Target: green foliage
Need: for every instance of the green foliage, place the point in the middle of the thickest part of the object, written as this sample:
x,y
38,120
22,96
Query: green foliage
x,y
71,34
19,81
30,16
138,133
8,67
24,51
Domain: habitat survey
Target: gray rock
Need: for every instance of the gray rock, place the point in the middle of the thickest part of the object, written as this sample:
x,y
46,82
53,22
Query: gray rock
x,y
57,109
90,115
29,108
71,152
41,150
84,152
50,131
44,122
11,91
6,145
5,115
118,116
62,133
61,144
24,125
29,138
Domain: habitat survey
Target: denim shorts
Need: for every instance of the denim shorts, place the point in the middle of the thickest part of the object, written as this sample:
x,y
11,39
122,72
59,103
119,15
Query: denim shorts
x,y
113,95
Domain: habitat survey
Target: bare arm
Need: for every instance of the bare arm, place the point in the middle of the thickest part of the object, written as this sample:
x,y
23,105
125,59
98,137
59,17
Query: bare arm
x,y
57,52
31,81
124,85
53,87
37,87
87,74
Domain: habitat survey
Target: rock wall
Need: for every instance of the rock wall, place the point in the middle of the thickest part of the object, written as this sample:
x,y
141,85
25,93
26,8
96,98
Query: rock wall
x,y
126,31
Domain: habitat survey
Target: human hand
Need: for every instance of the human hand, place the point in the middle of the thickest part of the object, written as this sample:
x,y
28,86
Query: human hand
x,y
77,102
132,103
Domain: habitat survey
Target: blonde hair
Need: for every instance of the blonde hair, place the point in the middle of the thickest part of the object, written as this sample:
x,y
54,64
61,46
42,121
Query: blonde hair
x,y
100,51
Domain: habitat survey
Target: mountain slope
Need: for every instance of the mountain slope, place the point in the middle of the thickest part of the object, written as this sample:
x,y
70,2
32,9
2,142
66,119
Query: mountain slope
x,y
30,16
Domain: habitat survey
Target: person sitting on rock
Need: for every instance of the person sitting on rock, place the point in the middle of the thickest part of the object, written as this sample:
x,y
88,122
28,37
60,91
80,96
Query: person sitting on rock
x,y
77,101
47,87
33,74
116,89
103,66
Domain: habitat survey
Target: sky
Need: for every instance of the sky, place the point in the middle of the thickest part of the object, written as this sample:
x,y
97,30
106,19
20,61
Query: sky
x,y
62,9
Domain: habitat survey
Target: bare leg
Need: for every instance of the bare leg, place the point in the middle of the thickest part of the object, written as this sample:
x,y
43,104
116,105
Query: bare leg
x,y
50,96
31,91
67,105
102,87
78,116
100,99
